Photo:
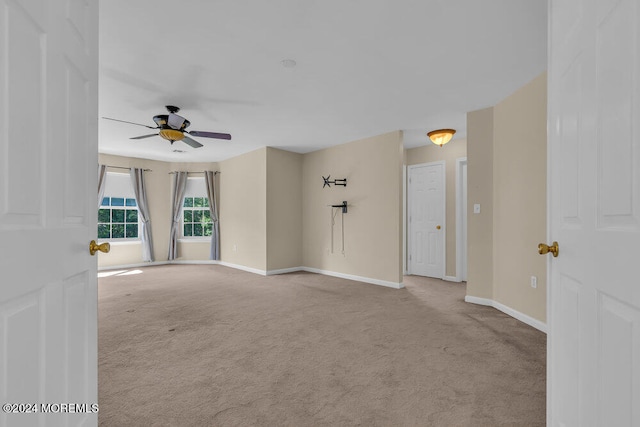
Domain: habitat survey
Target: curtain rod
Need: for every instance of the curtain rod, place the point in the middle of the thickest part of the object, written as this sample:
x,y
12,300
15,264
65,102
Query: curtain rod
x,y
122,167
188,172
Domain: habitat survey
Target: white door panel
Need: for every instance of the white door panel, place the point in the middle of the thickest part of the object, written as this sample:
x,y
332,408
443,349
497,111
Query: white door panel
x,y
426,219
48,190
594,213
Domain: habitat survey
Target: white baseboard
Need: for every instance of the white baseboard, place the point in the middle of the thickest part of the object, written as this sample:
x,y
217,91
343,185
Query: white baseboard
x,y
284,271
535,323
154,263
244,268
451,279
378,282
196,261
127,266
478,300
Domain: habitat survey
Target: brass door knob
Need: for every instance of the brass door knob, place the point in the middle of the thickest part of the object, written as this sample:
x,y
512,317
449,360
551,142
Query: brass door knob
x,y
437,227
544,249
94,247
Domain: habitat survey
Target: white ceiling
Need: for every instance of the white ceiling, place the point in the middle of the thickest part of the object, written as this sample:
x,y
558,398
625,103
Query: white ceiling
x,y
364,67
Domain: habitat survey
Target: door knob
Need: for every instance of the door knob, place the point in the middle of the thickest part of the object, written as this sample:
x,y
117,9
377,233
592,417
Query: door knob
x,y
94,247
544,249
437,227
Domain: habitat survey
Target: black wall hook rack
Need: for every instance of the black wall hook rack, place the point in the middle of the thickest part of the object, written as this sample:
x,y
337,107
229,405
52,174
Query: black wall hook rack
x,y
342,182
343,206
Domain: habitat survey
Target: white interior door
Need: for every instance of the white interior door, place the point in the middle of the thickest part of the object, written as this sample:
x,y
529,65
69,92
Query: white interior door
x,y
48,186
427,219
594,213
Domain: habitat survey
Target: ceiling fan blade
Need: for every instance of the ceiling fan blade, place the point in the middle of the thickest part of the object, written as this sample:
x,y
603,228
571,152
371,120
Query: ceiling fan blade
x,y
191,142
145,136
210,134
131,123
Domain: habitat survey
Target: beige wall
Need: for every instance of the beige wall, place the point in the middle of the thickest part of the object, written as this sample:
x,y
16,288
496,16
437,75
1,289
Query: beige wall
x,y
192,250
520,208
448,153
284,209
243,210
373,224
506,174
480,191
271,201
157,181
159,184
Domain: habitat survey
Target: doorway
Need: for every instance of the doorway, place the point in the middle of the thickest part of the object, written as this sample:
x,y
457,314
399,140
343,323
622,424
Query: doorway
x,y
427,226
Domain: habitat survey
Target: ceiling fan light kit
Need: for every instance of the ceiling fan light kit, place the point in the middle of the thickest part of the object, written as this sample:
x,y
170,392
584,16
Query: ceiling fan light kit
x,y
441,136
173,127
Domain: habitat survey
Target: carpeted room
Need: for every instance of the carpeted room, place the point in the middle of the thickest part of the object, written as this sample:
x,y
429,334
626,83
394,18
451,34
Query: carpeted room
x,y
276,230
257,339
211,345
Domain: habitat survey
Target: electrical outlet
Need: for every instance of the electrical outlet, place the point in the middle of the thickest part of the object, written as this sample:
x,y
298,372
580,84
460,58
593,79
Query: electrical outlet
x,y
534,282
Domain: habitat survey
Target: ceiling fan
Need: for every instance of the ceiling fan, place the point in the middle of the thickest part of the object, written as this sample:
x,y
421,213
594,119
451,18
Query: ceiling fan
x,y
174,127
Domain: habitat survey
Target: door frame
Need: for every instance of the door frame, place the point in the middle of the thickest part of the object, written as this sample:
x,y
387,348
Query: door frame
x,y
460,216
444,213
405,221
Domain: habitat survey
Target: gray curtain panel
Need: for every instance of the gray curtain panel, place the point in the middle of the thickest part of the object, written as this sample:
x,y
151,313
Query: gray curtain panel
x,y
140,190
179,185
102,178
210,181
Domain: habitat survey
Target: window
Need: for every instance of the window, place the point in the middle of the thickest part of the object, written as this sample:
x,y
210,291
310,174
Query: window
x,y
118,218
196,217
118,213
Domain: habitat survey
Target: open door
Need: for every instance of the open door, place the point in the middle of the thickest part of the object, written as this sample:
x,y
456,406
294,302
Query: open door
x,y
48,179
594,213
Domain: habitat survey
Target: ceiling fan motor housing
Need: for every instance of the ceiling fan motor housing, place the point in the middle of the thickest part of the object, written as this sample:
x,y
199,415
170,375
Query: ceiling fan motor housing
x,y
171,134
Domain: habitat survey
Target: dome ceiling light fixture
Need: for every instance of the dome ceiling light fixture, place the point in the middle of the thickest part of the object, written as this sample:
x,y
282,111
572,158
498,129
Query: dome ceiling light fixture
x,y
441,136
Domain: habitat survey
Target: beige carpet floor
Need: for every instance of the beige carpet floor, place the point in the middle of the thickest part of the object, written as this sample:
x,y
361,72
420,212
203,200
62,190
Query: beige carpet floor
x,y
213,346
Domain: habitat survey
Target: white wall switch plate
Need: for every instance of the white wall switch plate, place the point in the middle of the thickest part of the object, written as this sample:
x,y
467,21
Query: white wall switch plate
x,y
476,208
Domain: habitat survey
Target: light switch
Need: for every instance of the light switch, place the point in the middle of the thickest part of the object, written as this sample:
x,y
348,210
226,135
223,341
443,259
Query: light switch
x,y
476,208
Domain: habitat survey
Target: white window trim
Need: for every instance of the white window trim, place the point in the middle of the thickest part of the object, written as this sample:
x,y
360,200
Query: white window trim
x,y
122,240
195,188
191,238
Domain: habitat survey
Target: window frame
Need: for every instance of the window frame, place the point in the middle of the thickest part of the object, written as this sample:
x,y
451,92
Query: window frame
x,y
193,209
125,208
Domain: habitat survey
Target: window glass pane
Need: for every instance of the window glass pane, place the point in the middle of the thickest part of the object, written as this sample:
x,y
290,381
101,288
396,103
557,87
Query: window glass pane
x,y
132,230
207,229
197,202
188,202
117,231
131,202
197,229
132,215
188,230
117,201
188,216
206,216
105,201
197,216
104,231
117,215
206,202
104,215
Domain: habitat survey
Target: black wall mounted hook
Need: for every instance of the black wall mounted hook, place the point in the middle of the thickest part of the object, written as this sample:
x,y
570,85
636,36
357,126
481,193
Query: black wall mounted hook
x,y
328,183
343,206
